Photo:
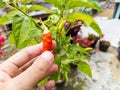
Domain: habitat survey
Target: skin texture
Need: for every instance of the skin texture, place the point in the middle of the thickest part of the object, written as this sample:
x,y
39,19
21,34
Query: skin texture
x,y
26,68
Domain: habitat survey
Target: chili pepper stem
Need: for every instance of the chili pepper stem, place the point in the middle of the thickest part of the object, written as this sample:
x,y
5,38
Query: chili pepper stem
x,y
45,28
46,31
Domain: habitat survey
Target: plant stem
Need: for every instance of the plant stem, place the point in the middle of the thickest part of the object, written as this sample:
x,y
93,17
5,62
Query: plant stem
x,y
27,16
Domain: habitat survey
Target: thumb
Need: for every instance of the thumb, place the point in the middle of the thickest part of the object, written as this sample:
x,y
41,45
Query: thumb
x,y
36,72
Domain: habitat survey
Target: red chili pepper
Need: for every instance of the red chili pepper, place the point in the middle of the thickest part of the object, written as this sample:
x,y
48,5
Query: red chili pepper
x,y
47,40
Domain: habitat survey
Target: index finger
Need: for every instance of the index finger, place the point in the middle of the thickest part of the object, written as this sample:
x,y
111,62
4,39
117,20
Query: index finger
x,y
25,55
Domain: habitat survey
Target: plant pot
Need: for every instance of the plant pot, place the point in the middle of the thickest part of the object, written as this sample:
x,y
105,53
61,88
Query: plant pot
x,y
103,47
94,44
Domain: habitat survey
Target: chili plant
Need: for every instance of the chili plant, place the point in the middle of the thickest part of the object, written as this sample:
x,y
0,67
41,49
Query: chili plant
x,y
27,30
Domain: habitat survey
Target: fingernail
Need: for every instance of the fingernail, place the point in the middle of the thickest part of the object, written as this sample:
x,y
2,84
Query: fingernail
x,y
48,56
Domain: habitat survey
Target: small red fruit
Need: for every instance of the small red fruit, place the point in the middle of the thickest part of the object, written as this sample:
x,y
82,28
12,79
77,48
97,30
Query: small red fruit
x,y
47,39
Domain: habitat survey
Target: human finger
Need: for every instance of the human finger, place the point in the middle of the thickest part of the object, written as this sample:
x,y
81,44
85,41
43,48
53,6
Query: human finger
x,y
12,65
27,54
36,71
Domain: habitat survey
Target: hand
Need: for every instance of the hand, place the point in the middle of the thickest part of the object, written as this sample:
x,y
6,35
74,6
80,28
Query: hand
x,y
26,68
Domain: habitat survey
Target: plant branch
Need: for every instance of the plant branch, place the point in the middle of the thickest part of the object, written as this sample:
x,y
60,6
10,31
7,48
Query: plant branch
x,y
27,16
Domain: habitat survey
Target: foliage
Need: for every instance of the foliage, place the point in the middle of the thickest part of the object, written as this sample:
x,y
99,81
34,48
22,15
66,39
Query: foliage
x,y
92,37
27,31
104,42
84,67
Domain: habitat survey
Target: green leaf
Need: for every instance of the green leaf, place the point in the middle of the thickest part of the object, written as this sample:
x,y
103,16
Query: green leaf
x,y
11,39
67,61
35,31
76,48
80,16
27,1
14,2
94,5
56,76
2,4
41,83
87,19
8,18
21,28
36,7
57,3
96,28
85,68
57,12
24,8
52,19
82,3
